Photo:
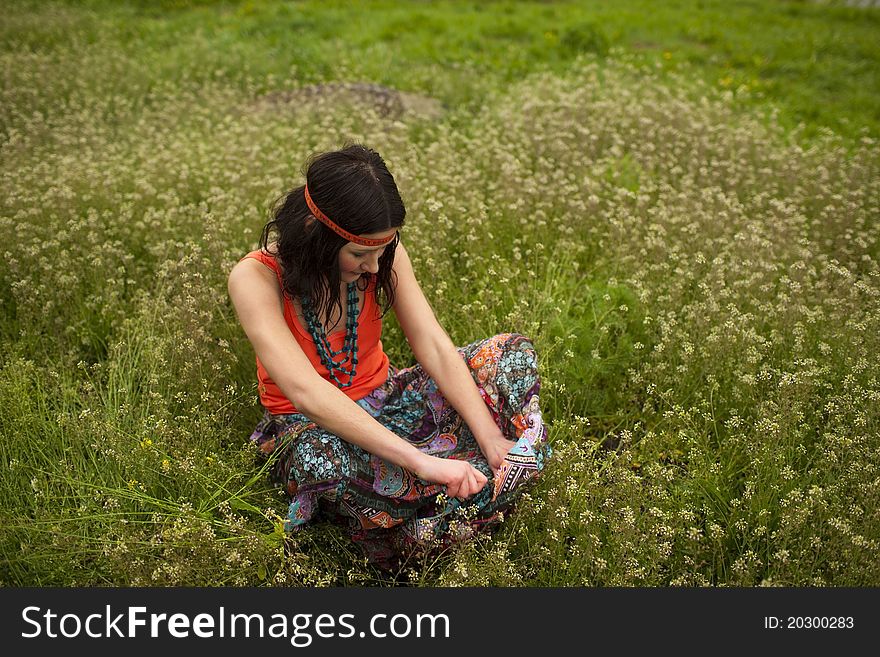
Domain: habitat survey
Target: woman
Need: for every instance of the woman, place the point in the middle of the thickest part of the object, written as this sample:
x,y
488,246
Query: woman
x,y
413,458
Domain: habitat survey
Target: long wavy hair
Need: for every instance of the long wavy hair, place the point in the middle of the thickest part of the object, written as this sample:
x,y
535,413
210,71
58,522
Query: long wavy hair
x,y
354,188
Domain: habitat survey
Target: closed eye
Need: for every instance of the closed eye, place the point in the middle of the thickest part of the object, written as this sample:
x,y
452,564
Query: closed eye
x,y
361,255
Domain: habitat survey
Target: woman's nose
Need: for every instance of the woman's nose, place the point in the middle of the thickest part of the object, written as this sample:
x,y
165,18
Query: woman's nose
x,y
372,265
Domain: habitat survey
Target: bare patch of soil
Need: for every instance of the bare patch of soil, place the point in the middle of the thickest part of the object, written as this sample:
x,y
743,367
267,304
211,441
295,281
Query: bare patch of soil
x,y
386,101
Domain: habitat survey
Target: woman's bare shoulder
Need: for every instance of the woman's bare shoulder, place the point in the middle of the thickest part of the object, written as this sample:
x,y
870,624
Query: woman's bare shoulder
x,y
401,258
247,262
250,274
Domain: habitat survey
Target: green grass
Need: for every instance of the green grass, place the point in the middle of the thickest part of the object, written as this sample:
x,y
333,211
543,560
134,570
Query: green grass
x,y
817,62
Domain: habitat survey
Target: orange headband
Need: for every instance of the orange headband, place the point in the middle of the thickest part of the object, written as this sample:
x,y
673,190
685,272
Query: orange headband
x,y
324,219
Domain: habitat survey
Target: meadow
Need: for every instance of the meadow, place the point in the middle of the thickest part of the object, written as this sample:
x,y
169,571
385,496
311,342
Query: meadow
x,y
681,211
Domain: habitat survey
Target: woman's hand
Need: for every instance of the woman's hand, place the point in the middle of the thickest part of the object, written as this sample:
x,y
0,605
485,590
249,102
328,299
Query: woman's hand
x,y
495,447
460,478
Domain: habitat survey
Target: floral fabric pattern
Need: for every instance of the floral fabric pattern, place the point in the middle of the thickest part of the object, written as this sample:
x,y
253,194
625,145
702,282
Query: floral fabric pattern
x,y
389,511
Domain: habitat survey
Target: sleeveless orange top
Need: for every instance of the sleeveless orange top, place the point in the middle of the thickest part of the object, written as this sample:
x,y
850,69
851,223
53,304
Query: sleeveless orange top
x,y
372,367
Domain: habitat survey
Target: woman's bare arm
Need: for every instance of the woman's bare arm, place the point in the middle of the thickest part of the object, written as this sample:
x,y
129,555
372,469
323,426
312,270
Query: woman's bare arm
x,y
256,295
438,356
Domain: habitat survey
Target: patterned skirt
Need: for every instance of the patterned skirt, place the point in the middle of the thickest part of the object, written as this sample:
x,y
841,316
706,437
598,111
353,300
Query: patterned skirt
x,y
390,512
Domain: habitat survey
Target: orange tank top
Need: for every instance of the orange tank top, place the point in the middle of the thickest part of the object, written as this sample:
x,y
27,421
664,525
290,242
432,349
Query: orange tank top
x,y
372,367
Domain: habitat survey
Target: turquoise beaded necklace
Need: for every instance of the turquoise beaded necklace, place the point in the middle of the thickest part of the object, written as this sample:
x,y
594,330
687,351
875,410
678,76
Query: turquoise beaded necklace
x,y
349,348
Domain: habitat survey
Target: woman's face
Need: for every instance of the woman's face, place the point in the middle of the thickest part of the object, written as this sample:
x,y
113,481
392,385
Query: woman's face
x,y
355,259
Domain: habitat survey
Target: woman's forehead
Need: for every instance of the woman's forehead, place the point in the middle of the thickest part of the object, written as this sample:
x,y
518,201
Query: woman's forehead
x,y
372,236
351,246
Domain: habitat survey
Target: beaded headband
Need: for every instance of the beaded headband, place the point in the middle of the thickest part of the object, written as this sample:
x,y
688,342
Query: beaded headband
x,y
351,237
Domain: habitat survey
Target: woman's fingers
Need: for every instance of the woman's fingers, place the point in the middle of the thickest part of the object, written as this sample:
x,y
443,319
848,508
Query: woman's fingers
x,y
466,481
459,486
467,486
452,489
464,484
475,481
479,480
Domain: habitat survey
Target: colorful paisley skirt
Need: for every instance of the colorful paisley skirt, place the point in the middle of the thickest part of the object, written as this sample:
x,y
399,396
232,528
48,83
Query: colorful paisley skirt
x,y
390,512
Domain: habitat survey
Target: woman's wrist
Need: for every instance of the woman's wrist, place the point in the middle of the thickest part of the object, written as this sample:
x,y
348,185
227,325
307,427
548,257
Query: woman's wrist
x,y
413,460
486,433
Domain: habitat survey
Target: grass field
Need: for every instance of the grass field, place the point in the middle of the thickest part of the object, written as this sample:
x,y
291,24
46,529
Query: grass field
x,y
678,202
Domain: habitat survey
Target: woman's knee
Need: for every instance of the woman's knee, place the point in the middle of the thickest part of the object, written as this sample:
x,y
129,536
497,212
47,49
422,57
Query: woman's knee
x,y
507,363
320,456
517,347
494,346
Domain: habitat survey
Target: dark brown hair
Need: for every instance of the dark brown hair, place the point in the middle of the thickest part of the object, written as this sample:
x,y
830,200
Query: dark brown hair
x,y
354,188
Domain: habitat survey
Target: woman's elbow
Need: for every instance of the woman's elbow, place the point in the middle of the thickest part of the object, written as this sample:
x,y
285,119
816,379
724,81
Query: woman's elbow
x,y
438,349
302,389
